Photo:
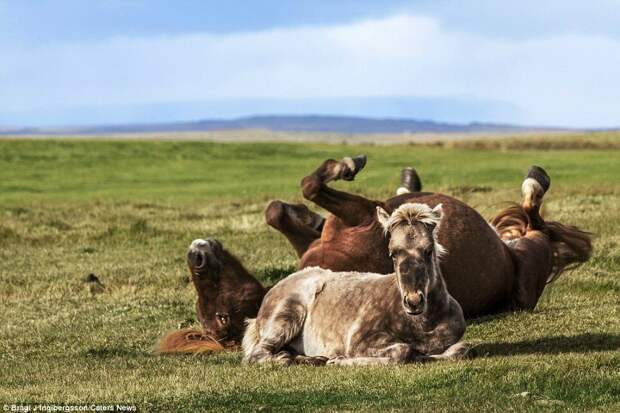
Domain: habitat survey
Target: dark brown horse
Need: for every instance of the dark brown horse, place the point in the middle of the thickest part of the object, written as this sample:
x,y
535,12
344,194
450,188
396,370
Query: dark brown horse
x,y
491,268
227,295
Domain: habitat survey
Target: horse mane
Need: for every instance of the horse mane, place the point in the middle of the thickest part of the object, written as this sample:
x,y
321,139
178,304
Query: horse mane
x,y
411,213
571,246
188,340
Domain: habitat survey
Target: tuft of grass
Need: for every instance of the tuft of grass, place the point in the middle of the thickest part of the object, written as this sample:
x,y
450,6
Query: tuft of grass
x,y
127,210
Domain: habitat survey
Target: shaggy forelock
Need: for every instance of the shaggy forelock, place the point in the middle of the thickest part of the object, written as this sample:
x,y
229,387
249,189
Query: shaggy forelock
x,y
410,214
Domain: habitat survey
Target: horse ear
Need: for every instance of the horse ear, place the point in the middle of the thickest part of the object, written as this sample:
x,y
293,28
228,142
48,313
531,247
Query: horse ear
x,y
438,213
215,244
383,217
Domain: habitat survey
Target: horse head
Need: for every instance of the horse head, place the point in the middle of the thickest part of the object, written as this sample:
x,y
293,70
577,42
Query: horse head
x,y
415,251
227,293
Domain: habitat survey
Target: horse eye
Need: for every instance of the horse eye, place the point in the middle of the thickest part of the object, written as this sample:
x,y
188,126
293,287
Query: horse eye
x,y
222,318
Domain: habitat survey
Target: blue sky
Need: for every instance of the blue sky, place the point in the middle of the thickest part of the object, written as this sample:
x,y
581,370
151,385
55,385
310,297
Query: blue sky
x,y
117,61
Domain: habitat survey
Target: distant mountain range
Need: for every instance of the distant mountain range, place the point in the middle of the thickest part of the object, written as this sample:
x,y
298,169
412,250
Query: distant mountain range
x,y
293,123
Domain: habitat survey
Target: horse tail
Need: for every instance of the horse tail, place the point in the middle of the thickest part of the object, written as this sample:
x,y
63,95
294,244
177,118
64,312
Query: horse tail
x,y
251,336
187,340
511,222
571,247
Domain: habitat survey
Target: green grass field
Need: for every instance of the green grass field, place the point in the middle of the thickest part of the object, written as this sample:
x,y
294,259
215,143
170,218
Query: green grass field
x,y
127,210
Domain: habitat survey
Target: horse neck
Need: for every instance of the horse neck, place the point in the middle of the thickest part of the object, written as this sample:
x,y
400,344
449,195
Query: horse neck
x,y
236,278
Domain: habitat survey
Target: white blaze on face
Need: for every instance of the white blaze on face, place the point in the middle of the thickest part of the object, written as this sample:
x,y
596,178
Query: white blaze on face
x,y
197,244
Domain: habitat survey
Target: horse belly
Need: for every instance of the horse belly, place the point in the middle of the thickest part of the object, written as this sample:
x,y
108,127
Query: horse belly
x,y
339,312
312,341
342,248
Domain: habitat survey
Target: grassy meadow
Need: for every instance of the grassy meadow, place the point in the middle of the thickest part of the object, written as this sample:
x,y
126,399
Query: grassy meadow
x,y
127,210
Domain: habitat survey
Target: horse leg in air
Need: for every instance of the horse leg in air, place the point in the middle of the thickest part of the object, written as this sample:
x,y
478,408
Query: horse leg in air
x,y
353,210
296,222
409,181
268,342
534,187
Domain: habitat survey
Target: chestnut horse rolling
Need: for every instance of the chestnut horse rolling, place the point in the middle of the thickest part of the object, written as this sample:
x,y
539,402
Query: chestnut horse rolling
x,y
490,268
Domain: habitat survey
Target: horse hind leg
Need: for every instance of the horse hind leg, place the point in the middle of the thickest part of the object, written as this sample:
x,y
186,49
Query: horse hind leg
x,y
351,209
296,222
268,342
345,169
409,181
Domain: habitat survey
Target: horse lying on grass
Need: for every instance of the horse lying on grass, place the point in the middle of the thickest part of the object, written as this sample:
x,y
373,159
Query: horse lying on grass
x,y
349,318
489,269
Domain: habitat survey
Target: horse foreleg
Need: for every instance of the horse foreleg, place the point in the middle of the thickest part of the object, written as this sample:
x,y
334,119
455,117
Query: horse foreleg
x,y
457,351
402,353
394,354
296,222
351,209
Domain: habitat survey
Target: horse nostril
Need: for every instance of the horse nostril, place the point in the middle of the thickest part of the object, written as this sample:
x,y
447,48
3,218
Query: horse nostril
x,y
197,258
413,301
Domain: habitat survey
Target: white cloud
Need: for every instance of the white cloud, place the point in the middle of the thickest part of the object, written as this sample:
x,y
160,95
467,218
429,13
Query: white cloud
x,y
569,79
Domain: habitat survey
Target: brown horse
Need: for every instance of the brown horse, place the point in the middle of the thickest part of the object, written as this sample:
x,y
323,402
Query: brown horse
x,y
491,268
227,295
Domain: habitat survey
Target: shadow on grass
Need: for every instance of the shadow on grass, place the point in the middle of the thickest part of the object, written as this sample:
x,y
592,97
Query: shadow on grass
x,y
278,401
582,343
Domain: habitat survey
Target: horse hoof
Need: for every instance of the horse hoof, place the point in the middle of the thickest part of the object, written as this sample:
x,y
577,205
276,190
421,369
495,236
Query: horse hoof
x,y
539,175
334,361
311,361
352,166
410,180
274,214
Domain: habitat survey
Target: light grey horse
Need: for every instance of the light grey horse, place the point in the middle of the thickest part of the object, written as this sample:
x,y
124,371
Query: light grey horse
x,y
348,318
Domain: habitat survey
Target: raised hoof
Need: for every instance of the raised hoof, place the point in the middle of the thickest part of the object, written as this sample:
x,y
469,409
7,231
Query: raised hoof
x,y
352,166
274,213
410,180
539,175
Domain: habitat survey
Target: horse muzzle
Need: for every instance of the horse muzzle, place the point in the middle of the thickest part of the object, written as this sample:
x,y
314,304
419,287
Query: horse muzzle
x,y
414,303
